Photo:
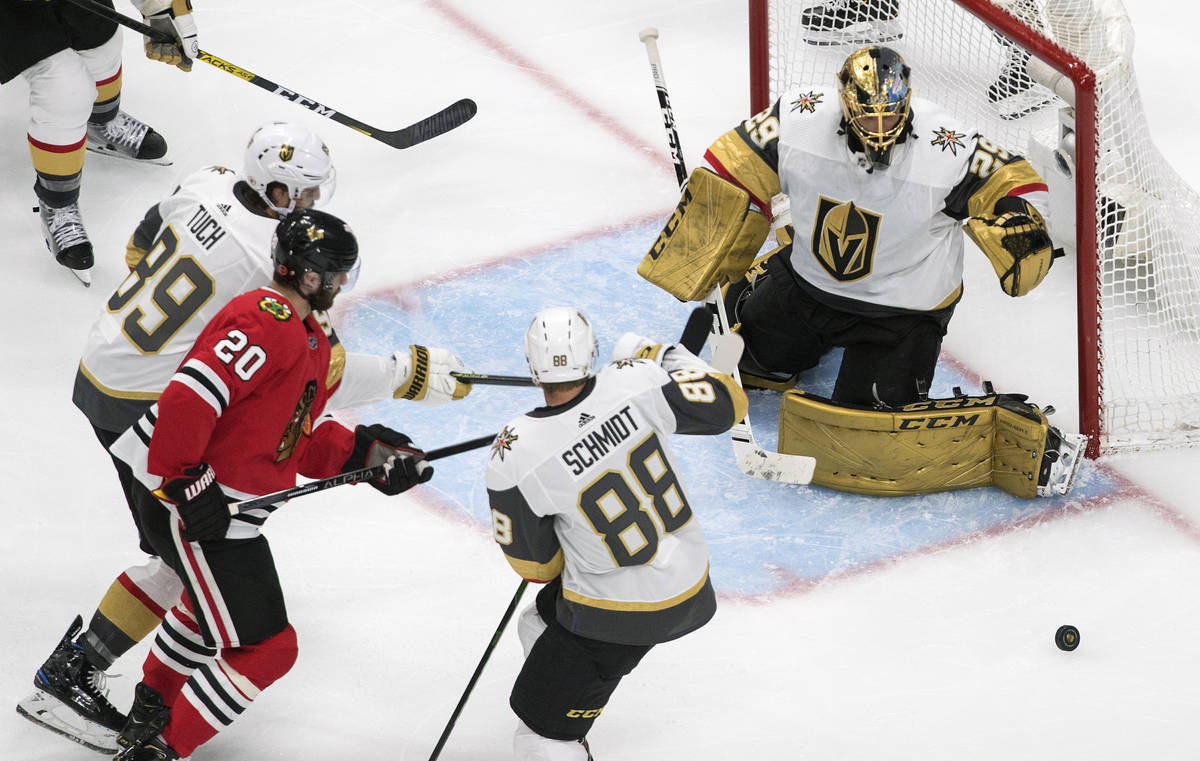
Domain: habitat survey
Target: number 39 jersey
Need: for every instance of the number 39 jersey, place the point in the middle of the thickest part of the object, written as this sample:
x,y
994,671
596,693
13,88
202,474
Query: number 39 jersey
x,y
590,488
208,249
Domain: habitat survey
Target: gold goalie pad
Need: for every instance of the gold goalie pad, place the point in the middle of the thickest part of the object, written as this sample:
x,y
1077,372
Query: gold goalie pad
x,y
711,238
921,448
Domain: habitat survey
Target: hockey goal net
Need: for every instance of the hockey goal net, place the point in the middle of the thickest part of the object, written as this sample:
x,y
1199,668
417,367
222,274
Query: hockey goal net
x,y
1053,79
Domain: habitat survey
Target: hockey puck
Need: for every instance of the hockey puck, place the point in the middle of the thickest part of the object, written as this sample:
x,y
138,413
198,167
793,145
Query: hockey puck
x,y
1067,637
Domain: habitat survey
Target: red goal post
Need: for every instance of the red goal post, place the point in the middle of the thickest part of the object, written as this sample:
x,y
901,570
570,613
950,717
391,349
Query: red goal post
x,y
1128,267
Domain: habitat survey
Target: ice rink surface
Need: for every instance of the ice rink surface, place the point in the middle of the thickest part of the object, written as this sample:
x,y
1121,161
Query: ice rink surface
x,y
849,628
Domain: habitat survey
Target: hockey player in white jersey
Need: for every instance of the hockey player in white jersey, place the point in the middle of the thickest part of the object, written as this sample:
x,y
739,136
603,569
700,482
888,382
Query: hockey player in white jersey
x,y
870,190
585,496
193,252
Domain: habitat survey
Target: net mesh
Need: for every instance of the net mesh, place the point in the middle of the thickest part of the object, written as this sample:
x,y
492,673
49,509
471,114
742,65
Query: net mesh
x,y
1146,353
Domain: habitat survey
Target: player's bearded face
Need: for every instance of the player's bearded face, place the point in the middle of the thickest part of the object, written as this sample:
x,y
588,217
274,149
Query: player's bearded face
x,y
321,293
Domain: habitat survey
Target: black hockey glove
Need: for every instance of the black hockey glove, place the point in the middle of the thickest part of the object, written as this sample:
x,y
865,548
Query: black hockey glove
x,y
201,503
377,445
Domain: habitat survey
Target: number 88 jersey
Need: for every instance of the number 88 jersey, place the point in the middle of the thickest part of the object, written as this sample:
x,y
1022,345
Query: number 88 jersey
x,y
591,488
203,247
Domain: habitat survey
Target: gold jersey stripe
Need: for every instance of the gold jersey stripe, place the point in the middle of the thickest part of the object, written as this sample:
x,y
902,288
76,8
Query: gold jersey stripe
x,y
637,606
537,571
735,158
1006,179
136,395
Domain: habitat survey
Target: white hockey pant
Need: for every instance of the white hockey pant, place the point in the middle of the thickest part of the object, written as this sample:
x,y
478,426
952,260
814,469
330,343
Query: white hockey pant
x,y
62,89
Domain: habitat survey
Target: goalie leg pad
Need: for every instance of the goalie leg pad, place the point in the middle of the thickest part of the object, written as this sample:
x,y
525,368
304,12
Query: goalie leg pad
x,y
712,237
929,446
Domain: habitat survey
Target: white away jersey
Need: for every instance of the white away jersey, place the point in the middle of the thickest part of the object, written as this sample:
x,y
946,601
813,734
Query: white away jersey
x,y
591,487
891,237
203,248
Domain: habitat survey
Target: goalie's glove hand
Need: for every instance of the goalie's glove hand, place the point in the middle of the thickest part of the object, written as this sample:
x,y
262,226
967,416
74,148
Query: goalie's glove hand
x,y
174,17
404,464
1017,244
424,375
201,503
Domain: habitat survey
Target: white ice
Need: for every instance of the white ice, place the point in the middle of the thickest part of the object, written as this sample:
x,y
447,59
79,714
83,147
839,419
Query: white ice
x,y
942,652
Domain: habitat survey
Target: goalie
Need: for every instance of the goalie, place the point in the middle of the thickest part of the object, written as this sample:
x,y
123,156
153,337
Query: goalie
x,y
868,190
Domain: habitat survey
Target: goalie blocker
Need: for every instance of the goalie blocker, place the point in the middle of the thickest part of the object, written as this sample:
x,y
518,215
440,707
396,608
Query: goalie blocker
x,y
712,238
931,446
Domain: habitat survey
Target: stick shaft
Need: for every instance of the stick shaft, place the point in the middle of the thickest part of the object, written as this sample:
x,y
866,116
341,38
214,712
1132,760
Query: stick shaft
x,y
650,38
494,380
487,653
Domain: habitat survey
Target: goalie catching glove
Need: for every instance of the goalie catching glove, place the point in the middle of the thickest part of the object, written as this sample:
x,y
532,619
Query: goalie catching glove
x,y
404,464
1016,243
202,505
423,374
174,18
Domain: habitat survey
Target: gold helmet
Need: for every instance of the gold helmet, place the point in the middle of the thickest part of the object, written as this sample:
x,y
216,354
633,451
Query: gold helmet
x,y
873,87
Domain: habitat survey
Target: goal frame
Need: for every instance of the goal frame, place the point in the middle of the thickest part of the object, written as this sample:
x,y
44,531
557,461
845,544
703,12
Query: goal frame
x,y
1087,285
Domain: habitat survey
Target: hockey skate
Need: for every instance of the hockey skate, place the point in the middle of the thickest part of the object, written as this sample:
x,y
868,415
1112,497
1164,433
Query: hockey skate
x,y
851,22
147,718
1014,93
154,749
67,239
127,138
1060,462
70,697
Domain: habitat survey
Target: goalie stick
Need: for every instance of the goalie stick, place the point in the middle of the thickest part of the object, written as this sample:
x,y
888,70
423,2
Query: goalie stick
x,y
454,115
352,477
751,458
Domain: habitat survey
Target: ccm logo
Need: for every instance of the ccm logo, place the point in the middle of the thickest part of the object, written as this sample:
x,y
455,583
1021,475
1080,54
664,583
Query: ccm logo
x,y
942,421
580,713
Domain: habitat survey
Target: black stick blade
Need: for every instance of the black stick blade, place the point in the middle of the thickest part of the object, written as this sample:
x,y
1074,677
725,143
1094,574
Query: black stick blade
x,y
454,115
695,332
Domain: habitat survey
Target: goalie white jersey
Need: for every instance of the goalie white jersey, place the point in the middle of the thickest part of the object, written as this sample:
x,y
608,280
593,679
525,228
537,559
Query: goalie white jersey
x,y
889,238
193,253
590,488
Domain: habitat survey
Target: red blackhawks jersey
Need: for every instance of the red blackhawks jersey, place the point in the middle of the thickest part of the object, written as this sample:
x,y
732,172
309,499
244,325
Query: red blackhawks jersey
x,y
247,400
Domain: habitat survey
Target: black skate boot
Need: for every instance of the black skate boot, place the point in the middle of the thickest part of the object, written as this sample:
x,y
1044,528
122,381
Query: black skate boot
x,y
147,718
70,698
852,22
154,749
128,138
67,239
1014,93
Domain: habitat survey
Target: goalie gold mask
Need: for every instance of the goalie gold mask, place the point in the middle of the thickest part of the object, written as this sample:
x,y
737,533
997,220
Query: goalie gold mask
x,y
874,91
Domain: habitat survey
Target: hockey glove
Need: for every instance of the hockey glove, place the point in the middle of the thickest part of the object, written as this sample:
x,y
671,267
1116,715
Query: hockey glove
x,y
201,503
405,464
423,375
174,17
1016,243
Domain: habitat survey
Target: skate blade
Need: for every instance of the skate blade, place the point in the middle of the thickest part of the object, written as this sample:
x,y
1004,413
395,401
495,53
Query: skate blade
x,y
106,151
83,276
867,33
47,711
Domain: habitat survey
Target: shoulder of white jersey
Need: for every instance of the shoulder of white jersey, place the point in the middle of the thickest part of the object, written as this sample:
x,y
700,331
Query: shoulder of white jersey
x,y
939,136
633,370
809,119
505,454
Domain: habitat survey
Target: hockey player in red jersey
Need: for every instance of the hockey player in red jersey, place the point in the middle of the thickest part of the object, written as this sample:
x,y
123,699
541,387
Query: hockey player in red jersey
x,y
585,495
242,417
193,252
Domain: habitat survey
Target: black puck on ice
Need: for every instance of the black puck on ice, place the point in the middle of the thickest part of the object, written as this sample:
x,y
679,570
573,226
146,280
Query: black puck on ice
x,y
1067,637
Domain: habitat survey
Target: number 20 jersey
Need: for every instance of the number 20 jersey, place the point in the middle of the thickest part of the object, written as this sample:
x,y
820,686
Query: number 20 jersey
x,y
591,487
208,249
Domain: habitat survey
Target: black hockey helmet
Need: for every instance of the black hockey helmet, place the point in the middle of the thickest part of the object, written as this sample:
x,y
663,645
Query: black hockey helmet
x,y
310,240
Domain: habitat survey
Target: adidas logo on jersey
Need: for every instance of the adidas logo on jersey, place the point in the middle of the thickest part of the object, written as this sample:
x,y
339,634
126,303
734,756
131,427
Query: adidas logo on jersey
x,y
223,208
585,418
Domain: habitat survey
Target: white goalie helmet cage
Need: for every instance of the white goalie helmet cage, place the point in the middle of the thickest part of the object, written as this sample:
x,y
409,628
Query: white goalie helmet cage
x,y
560,346
293,156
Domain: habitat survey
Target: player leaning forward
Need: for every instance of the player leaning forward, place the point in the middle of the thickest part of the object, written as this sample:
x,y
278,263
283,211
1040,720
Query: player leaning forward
x,y
242,417
869,189
585,496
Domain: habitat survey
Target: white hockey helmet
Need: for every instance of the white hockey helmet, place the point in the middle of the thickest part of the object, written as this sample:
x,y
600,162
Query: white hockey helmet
x,y
293,156
560,346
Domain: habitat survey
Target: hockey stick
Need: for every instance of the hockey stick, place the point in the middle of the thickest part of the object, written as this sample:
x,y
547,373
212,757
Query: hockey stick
x,y
352,477
454,115
487,653
752,459
494,380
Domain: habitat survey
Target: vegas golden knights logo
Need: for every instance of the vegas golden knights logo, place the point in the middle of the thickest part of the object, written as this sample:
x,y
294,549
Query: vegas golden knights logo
x,y
286,152
844,238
